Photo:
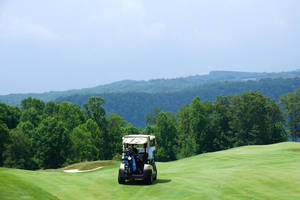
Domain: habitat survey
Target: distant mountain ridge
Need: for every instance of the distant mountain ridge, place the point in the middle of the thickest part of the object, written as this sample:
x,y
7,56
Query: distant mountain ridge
x,y
153,86
134,106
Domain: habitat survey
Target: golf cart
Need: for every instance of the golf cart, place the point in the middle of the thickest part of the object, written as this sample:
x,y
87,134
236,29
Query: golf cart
x,y
138,158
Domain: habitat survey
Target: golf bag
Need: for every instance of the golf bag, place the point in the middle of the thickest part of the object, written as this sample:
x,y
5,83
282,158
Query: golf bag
x,y
130,164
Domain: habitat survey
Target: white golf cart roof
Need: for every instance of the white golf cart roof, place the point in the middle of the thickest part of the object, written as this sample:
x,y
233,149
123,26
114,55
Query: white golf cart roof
x,y
137,139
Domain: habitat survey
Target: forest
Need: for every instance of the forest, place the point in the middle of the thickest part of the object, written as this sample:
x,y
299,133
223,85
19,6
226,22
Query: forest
x,y
213,80
43,135
134,99
133,106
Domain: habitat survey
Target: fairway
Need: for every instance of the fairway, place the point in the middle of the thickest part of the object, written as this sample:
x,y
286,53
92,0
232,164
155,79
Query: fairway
x,y
250,172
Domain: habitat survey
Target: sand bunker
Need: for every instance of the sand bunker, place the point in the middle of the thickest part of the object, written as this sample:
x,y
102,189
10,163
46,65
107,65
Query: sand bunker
x,y
77,170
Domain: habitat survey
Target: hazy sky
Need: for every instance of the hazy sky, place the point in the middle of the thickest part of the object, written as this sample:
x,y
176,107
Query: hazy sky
x,y
68,44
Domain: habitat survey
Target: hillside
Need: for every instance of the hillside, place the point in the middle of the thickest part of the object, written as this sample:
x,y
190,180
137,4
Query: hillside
x,y
250,172
133,106
152,86
134,99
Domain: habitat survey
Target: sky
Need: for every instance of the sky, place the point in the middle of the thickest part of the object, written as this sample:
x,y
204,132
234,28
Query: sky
x,y
70,44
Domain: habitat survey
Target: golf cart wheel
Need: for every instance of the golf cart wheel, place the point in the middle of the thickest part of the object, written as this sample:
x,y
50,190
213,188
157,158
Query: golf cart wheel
x,y
149,179
155,177
121,180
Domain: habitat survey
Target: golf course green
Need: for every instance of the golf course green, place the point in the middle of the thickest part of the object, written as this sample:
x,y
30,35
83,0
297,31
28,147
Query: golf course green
x,y
249,172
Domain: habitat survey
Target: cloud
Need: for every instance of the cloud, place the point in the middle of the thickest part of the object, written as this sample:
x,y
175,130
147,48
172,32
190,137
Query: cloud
x,y
17,28
133,39
155,30
134,8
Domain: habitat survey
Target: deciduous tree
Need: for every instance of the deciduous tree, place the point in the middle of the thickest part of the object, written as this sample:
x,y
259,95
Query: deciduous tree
x,y
291,103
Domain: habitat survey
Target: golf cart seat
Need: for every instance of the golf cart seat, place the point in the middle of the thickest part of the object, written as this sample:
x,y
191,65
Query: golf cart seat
x,y
143,156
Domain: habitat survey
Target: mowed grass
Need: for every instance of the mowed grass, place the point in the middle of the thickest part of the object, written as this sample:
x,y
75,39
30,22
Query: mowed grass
x,y
250,172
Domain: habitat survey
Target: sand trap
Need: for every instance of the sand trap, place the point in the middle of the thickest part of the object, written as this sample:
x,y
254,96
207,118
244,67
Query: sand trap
x,y
77,170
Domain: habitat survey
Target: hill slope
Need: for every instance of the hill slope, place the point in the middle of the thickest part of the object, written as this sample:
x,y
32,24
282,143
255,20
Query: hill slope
x,y
133,106
152,86
251,172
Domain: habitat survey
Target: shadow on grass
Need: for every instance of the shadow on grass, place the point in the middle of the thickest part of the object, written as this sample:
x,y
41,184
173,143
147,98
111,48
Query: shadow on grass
x,y
142,182
159,181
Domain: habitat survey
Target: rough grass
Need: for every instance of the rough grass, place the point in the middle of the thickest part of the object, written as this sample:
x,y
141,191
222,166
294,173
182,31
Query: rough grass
x,y
251,172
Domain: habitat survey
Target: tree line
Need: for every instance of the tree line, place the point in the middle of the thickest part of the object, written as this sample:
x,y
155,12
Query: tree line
x,y
52,135
159,86
133,106
202,126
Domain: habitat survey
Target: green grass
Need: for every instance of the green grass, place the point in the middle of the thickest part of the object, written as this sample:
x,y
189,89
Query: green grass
x,y
251,172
